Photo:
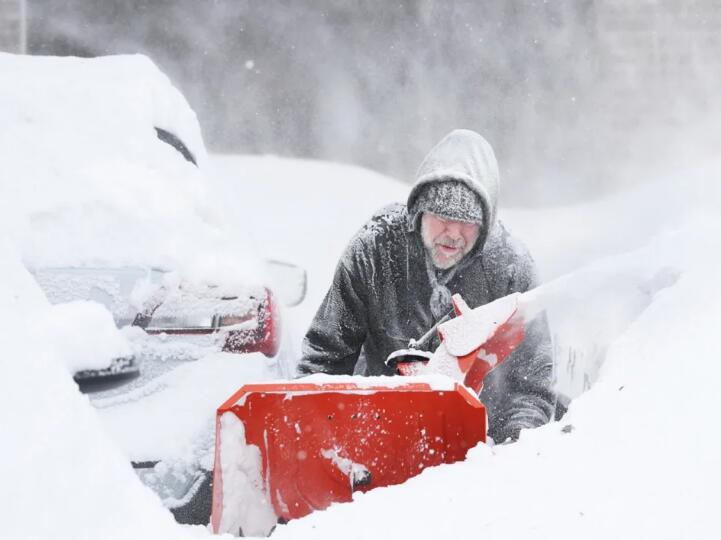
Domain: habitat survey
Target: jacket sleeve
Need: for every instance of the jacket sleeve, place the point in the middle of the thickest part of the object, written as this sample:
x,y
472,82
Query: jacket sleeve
x,y
339,328
523,396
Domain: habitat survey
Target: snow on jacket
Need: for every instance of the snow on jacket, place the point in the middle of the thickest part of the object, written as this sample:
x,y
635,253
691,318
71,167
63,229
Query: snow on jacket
x,y
381,291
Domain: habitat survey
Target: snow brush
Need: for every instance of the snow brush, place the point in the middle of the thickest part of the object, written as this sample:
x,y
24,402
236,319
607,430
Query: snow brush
x,y
287,448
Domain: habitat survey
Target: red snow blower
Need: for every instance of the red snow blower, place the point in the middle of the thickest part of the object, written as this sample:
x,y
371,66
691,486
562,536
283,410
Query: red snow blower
x,y
289,448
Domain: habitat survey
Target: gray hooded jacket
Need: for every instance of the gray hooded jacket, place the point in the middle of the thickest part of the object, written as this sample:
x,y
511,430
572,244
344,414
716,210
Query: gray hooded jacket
x,y
381,293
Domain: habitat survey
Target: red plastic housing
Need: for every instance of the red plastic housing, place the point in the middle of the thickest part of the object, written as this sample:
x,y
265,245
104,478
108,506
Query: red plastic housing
x,y
310,436
506,338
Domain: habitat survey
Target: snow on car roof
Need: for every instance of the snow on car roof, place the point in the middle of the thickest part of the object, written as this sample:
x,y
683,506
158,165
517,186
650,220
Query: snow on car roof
x,y
86,181
121,97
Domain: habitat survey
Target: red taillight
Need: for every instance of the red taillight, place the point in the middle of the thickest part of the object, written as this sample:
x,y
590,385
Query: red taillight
x,y
264,338
270,327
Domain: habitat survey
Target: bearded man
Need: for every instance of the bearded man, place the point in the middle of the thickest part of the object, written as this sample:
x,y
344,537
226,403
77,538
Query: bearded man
x,y
397,276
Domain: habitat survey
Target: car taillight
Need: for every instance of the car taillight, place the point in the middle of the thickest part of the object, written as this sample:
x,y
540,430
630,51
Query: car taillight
x,y
264,338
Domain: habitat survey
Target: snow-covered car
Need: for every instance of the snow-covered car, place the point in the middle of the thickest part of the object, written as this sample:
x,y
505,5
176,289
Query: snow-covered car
x,y
106,189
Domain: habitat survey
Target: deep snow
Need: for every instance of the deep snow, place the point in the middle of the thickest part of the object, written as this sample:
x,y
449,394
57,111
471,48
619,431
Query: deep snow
x,y
636,456
87,184
84,181
62,475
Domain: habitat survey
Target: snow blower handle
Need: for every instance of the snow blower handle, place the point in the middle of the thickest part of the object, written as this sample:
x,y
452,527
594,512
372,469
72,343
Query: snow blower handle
x,y
412,360
425,338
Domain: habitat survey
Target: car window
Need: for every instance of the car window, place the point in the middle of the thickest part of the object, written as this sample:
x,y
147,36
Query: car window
x,y
176,143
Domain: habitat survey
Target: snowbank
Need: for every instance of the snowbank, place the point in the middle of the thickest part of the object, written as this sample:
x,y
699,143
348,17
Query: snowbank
x,y
87,182
246,507
84,334
62,476
172,417
565,238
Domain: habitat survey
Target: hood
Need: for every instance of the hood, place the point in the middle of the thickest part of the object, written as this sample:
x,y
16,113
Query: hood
x,y
462,155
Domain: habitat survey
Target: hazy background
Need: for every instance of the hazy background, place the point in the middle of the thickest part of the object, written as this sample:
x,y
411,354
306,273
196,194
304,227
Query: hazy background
x,y
578,97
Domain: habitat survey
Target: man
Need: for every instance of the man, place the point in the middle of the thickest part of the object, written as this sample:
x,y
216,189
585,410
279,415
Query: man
x,y
397,276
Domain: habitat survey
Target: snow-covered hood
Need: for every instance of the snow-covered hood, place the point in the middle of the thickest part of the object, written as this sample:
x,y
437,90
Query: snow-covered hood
x,y
463,155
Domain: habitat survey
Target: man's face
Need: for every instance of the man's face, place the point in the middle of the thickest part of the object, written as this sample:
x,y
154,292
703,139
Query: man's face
x,y
447,241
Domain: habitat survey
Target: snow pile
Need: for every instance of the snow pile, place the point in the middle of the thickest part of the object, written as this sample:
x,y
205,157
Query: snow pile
x,y
590,308
62,476
83,334
246,508
86,180
173,416
562,239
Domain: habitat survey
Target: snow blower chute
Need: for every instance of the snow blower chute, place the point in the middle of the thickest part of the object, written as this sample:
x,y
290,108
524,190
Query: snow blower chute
x,y
287,448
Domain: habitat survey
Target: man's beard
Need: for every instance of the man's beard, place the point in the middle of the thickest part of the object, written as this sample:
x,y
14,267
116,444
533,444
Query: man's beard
x,y
440,260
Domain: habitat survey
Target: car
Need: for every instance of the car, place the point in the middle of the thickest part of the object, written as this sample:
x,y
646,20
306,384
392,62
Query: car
x,y
107,164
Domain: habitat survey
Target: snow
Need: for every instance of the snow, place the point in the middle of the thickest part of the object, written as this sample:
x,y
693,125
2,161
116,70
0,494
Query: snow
x,y
189,305
63,477
246,507
82,333
355,472
562,239
591,307
304,212
86,184
107,192
444,363
172,417
463,334
636,308
122,290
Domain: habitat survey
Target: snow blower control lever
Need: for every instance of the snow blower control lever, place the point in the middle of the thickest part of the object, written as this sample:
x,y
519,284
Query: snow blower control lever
x,y
409,361
425,338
